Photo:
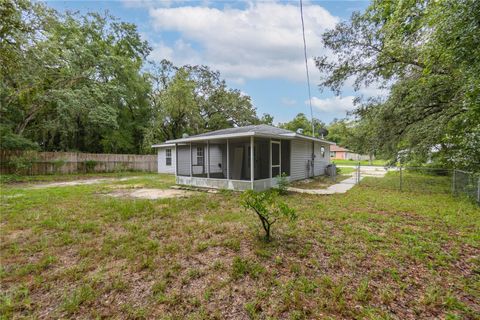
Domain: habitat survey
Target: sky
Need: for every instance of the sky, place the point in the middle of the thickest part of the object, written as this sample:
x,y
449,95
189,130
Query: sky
x,y
256,45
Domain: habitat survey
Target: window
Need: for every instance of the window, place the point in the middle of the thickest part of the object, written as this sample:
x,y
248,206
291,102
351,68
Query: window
x,y
322,151
168,157
199,156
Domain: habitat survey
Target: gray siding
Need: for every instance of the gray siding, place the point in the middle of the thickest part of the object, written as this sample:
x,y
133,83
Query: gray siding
x,y
302,153
300,156
161,160
183,160
320,162
216,158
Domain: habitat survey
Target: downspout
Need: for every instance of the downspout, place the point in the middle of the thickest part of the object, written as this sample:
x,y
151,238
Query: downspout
x,y
313,159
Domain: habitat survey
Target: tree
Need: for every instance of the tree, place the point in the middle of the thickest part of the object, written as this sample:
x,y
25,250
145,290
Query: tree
x,y
268,208
266,119
339,132
428,54
302,122
72,82
192,100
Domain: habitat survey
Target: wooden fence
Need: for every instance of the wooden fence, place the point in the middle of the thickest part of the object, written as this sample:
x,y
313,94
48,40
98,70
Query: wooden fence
x,y
34,163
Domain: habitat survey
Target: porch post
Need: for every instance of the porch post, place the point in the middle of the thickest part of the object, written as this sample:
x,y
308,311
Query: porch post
x,y
270,158
208,158
191,161
252,150
176,159
228,161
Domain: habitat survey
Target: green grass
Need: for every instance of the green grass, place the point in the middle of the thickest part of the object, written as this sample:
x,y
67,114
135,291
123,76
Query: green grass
x,y
341,171
362,163
372,253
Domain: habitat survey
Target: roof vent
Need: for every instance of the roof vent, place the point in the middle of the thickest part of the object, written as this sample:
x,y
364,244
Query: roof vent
x,y
300,131
185,135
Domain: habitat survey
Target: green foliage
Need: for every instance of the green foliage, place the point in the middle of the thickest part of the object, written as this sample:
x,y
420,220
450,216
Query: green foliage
x,y
90,165
192,100
58,164
242,267
268,207
22,163
302,122
282,183
12,141
72,81
427,53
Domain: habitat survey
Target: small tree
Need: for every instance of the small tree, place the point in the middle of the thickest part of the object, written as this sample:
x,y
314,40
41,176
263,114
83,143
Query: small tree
x,y
268,207
282,183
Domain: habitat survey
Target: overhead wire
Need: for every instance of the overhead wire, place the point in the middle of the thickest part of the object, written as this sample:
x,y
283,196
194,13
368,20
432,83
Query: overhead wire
x,y
306,68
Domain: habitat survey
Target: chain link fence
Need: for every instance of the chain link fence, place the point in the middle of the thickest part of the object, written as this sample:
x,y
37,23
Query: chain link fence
x,y
418,179
466,183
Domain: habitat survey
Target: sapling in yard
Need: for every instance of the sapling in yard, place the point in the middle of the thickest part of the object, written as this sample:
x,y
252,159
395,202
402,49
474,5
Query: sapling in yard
x,y
268,207
282,183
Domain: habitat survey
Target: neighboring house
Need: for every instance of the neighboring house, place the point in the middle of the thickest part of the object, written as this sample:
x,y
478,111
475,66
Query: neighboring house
x,y
340,153
223,158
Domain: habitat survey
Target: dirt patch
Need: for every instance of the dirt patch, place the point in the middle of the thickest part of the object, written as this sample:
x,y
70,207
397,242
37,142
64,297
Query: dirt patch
x,y
151,194
80,182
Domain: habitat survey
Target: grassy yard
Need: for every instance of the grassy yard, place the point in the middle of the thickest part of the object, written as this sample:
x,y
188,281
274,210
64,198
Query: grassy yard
x,y
373,253
363,162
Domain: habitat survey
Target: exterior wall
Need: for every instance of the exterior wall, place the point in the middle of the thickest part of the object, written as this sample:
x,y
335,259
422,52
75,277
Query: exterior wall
x,y
216,157
161,160
301,155
258,185
183,161
214,183
339,155
320,162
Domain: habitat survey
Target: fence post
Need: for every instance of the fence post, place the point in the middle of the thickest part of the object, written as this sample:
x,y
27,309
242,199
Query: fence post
x,y
401,179
358,173
453,181
478,190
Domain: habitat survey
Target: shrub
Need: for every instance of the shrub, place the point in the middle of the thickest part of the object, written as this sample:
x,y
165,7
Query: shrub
x,y
90,165
268,207
282,183
22,163
57,164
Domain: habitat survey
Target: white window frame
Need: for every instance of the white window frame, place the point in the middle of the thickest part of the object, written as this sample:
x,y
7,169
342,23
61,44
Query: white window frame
x,y
279,166
200,155
168,156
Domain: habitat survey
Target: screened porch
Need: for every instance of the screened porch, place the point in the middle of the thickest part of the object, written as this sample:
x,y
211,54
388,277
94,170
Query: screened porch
x,y
230,164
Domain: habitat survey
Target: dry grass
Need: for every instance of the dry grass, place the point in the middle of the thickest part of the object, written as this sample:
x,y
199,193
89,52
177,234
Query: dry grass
x,y
372,253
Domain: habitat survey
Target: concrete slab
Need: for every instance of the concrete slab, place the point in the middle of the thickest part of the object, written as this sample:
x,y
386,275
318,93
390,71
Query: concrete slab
x,y
341,187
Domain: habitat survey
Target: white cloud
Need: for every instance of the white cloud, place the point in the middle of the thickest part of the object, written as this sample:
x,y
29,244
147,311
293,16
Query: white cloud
x,y
288,101
333,104
263,40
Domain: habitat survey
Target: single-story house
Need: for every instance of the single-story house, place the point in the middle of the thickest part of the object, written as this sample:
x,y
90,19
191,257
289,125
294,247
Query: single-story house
x,y
340,153
224,158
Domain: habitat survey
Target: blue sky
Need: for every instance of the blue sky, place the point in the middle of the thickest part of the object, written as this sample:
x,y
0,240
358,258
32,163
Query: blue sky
x,y
256,45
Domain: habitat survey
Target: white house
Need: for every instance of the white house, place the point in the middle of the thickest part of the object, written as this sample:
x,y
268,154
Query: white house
x,y
223,158
165,157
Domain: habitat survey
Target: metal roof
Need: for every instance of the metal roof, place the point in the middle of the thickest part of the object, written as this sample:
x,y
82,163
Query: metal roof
x,y
261,130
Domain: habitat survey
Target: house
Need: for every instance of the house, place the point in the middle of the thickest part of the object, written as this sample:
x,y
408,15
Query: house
x,y
340,153
224,158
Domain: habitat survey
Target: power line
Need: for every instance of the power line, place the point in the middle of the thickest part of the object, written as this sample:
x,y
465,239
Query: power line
x,y
306,67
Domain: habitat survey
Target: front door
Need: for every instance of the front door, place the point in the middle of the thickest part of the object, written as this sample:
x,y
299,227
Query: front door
x,y
276,159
